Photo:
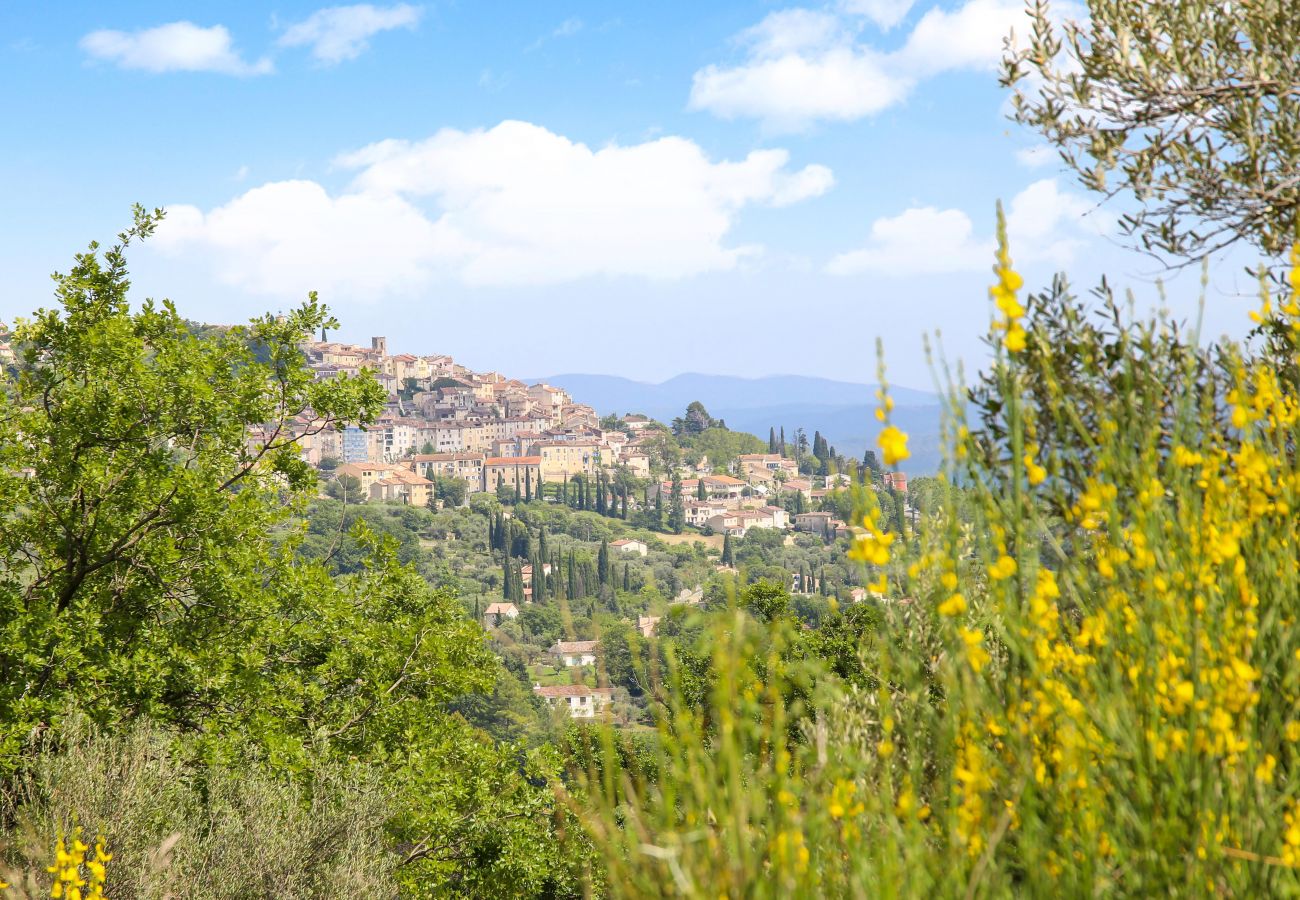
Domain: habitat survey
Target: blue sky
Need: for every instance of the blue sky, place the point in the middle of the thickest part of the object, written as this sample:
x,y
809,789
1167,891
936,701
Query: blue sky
x,y
634,189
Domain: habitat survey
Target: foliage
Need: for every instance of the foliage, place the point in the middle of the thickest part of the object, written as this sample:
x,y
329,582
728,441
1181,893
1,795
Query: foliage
x,y
1085,685
1191,107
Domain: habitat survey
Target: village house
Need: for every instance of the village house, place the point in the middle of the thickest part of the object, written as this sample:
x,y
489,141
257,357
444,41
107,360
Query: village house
x,y
498,612
561,460
818,523
637,462
698,512
636,422
630,545
520,472
647,625
468,467
895,481
582,702
575,653
737,522
367,473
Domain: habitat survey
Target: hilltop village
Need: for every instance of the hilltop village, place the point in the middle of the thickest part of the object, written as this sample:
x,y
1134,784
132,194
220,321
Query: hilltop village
x,y
570,535
448,432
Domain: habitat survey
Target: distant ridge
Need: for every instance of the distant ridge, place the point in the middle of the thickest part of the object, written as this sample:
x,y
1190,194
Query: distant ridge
x,y
840,410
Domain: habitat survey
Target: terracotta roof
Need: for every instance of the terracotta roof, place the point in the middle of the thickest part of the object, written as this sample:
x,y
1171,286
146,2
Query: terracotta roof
x,y
575,646
513,461
501,609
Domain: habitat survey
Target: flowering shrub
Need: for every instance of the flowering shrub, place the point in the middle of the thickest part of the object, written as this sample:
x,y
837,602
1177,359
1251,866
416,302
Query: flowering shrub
x,y
1090,685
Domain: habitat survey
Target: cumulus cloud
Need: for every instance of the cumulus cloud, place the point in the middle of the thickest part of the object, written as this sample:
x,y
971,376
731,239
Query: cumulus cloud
x,y
884,13
341,33
514,204
803,66
175,47
1044,224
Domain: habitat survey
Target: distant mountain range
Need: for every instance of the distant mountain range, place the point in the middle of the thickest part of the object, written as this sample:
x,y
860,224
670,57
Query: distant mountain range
x,y
841,410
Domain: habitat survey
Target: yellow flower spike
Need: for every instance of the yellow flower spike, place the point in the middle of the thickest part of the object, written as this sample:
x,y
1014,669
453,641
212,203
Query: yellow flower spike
x,y
893,444
953,606
1004,292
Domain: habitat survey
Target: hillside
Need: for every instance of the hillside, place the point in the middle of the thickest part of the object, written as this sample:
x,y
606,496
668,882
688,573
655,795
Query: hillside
x,y
840,410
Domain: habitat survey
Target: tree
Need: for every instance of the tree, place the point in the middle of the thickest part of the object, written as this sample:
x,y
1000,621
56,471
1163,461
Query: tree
x,y
701,492
602,564
872,464
1189,107
450,490
677,508
346,488
427,449
772,445
728,553
149,568
328,463
782,440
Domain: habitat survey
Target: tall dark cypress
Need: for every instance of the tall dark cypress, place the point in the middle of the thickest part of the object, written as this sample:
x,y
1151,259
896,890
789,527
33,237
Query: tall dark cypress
x,y
772,446
602,569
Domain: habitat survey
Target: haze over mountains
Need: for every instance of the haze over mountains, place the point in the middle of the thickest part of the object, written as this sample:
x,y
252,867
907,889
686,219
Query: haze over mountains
x,y
841,410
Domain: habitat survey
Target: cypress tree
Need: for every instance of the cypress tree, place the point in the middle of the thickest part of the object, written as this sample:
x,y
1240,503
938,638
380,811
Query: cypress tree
x,y
783,440
602,565
700,492
573,577
507,589
528,485
627,577
677,510
772,445
728,555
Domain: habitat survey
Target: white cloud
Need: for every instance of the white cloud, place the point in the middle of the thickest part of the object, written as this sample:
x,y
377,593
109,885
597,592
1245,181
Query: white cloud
x,y
1044,224
1037,156
175,47
514,204
803,66
918,240
885,13
969,37
340,33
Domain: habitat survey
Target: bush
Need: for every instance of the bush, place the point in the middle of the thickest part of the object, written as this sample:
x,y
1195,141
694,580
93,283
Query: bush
x,y
1089,688
224,831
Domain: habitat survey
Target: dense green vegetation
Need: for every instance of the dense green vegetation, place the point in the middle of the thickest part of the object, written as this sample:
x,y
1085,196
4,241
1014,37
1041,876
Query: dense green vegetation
x,y
1074,674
